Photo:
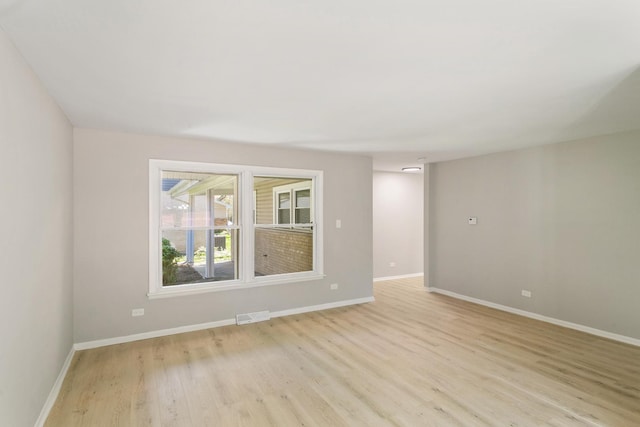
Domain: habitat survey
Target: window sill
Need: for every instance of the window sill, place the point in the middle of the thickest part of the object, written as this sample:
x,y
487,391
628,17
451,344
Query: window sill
x,y
201,288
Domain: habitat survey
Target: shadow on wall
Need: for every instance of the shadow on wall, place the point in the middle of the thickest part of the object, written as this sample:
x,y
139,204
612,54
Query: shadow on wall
x,y
618,110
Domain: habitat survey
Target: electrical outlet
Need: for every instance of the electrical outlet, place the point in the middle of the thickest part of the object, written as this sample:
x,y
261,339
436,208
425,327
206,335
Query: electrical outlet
x,y
137,312
334,286
526,293
473,220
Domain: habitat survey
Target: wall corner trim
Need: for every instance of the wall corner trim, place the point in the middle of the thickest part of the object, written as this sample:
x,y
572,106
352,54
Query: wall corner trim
x,y
55,390
558,322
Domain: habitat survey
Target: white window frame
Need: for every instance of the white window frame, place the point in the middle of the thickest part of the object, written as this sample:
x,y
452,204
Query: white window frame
x,y
246,220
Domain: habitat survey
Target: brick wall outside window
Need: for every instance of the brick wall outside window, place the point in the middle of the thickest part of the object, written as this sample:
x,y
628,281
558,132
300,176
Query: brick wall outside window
x,y
280,251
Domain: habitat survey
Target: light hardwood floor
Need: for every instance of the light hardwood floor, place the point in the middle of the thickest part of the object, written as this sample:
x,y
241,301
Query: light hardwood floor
x,y
411,359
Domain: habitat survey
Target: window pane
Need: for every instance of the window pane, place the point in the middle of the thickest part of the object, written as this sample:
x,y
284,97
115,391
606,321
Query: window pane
x,y
185,256
197,199
223,209
303,199
280,251
284,200
284,216
303,216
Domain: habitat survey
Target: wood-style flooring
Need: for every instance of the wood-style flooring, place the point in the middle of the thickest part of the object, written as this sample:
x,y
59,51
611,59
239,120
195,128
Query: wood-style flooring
x,y
409,359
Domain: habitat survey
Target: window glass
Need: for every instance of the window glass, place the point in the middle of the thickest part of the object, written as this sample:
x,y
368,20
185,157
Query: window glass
x,y
199,240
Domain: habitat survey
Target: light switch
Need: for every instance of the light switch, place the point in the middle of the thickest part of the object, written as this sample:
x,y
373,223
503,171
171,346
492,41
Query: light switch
x,y
338,223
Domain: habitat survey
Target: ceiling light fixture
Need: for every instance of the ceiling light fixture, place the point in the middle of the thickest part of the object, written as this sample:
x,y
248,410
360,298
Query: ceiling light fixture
x,y
411,169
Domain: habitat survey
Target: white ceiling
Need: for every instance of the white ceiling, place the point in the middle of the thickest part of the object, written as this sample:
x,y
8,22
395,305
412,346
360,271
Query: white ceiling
x,y
395,79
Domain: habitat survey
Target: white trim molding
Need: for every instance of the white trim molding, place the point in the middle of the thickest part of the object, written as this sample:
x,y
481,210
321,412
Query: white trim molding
x,y
225,322
403,276
564,323
55,390
321,307
152,334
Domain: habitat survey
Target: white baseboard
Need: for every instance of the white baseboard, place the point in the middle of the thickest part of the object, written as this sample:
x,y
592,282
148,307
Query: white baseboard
x,y
319,307
190,328
403,276
570,325
55,390
152,334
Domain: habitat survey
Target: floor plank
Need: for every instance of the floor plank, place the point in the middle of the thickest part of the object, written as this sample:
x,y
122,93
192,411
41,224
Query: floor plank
x,y
410,358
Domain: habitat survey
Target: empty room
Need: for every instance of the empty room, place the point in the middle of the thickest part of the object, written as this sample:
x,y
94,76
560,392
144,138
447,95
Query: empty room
x,y
321,213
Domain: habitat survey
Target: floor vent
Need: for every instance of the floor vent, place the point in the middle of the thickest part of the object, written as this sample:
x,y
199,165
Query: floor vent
x,y
258,316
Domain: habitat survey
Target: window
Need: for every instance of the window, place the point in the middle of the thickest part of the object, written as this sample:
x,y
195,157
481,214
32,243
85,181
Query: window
x,y
226,226
298,211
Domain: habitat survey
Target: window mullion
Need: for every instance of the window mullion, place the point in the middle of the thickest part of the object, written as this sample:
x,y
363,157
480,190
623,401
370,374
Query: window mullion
x,y
247,227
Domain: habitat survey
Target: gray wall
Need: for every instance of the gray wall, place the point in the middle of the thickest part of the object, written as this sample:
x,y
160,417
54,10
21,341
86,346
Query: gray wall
x,y
35,248
397,223
111,249
559,220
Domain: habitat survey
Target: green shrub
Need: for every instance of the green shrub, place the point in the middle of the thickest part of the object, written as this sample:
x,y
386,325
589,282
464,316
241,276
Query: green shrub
x,y
169,266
